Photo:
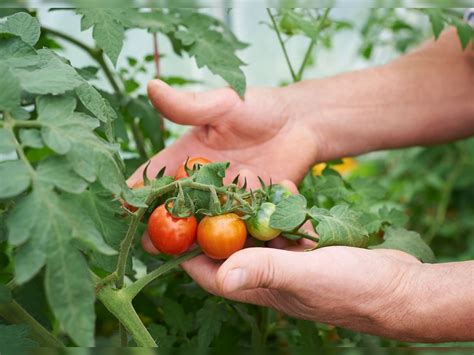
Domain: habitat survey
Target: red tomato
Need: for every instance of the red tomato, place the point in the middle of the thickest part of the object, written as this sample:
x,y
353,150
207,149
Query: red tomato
x,y
171,235
221,236
148,246
181,172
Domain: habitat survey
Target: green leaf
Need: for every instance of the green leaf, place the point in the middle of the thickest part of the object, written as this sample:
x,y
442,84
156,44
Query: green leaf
x,y
51,75
108,28
289,214
465,32
210,319
10,90
333,187
212,49
437,21
23,25
15,178
95,103
70,291
16,53
6,143
209,174
31,138
70,133
39,220
408,242
163,339
57,171
339,226
14,339
175,316
5,294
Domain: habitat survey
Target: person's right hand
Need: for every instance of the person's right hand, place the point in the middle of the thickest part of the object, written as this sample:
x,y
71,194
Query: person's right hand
x,y
263,133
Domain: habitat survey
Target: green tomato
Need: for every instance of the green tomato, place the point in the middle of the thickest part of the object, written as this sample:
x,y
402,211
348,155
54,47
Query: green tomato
x,y
278,193
259,225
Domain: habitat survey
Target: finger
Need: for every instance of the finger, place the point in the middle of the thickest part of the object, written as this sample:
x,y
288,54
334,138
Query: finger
x,y
148,246
191,108
256,268
203,270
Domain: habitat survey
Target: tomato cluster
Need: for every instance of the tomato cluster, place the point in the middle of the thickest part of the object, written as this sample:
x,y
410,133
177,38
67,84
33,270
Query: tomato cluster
x,y
218,236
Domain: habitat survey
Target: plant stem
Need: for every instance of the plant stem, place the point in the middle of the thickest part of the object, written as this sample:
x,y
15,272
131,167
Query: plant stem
x,y
313,42
444,201
120,306
156,55
96,54
125,248
282,44
139,139
14,313
10,122
123,335
132,290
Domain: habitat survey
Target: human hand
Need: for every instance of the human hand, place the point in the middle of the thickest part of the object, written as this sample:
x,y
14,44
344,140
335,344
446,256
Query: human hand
x,y
260,134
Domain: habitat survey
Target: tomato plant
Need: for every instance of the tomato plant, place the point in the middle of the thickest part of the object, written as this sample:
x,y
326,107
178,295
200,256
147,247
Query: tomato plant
x,y
72,272
221,236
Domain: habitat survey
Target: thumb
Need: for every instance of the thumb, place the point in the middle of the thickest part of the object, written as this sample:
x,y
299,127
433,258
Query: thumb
x,y
254,268
190,108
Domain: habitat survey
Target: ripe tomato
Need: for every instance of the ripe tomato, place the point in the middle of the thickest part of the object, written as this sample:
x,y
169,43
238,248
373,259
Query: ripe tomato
x,y
259,224
221,236
181,172
171,235
278,193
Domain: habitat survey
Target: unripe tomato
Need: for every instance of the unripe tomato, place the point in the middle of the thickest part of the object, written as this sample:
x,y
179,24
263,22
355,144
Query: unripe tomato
x,y
278,193
171,235
259,224
181,172
221,236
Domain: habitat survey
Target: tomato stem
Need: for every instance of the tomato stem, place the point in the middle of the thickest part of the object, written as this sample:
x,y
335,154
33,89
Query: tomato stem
x,y
133,290
118,303
14,313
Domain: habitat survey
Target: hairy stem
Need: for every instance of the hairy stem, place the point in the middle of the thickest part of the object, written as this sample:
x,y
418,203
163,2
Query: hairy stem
x,y
135,288
9,124
120,306
313,42
282,44
14,313
139,139
444,201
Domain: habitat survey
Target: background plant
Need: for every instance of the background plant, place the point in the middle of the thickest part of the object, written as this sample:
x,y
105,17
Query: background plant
x,y
74,143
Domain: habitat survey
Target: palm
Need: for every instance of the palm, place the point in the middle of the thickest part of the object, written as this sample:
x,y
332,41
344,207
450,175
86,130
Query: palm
x,y
256,134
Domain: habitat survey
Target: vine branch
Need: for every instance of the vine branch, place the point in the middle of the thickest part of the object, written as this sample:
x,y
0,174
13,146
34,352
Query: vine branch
x,y
313,42
14,313
134,289
282,44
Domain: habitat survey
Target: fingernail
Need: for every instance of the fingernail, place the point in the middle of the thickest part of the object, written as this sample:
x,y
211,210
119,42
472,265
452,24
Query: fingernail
x,y
235,280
